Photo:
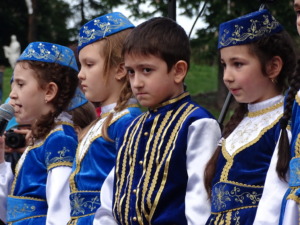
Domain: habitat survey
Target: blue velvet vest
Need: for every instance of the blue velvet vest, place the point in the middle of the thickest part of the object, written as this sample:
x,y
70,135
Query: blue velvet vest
x,y
95,158
240,176
151,175
27,203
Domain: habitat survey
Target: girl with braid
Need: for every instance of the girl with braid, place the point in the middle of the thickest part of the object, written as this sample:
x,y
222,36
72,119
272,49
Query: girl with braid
x,y
45,80
258,58
290,213
103,80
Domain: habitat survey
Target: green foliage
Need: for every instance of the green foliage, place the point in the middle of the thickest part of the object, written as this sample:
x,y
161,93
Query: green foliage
x,y
201,79
6,83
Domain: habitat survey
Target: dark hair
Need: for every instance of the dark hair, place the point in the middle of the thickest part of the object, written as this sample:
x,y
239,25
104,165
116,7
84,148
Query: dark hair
x,y
83,115
161,37
66,80
279,44
284,154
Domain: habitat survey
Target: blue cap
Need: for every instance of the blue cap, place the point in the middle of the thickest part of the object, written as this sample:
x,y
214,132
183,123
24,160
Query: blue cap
x,y
51,53
78,100
101,27
248,28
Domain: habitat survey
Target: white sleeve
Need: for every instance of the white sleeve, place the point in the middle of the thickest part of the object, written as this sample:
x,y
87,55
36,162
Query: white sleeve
x,y
269,207
58,193
6,179
203,138
291,213
104,215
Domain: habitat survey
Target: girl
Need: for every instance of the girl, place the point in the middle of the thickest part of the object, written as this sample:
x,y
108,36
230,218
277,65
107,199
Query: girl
x,y
290,206
38,194
258,57
103,79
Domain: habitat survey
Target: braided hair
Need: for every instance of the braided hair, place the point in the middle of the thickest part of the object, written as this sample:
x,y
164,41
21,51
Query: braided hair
x,y
264,49
284,155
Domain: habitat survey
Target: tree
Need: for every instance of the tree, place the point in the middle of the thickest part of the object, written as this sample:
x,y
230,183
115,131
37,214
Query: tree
x,y
50,22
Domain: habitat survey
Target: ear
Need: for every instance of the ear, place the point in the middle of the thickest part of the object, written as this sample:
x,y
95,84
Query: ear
x,y
274,67
51,91
180,69
120,71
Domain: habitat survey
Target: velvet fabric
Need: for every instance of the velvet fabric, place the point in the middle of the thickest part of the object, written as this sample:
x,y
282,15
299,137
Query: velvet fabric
x,y
151,172
94,160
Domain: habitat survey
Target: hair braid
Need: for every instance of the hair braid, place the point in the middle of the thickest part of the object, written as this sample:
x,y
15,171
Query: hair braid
x,y
284,146
211,165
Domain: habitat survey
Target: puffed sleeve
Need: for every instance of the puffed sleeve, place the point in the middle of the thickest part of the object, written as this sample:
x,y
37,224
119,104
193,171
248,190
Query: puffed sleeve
x,y
203,137
269,207
104,214
6,179
58,193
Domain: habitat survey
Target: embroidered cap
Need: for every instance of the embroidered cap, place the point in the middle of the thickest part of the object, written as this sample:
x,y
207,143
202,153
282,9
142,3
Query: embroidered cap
x,y
101,27
78,100
248,28
51,53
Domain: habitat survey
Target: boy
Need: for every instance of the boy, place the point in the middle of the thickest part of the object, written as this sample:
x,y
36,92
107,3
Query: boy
x,y
158,177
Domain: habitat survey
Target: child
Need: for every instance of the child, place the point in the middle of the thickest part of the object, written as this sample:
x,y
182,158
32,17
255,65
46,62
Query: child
x,y
38,194
290,206
158,175
258,57
103,79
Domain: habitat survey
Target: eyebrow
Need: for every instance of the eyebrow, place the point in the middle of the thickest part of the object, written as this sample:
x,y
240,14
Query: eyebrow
x,y
296,6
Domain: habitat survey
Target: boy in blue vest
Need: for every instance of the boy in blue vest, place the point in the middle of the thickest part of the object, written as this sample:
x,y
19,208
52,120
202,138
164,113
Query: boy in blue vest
x,y
158,176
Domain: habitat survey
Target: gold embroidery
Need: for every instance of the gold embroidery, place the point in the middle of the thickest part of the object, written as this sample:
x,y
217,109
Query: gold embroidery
x,y
171,101
79,204
239,35
230,158
264,111
91,136
297,98
168,154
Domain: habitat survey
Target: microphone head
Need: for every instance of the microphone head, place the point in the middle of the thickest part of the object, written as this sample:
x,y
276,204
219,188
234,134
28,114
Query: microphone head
x,y
6,111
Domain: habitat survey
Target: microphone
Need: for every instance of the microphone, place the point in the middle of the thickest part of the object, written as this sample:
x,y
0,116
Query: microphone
x,y
6,113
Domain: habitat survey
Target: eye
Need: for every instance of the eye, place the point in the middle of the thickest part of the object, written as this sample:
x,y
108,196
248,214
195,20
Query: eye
x,y
130,72
238,64
19,84
146,70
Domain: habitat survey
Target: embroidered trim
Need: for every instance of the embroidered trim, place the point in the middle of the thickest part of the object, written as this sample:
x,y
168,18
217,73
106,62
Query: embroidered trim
x,y
171,101
297,98
264,111
230,158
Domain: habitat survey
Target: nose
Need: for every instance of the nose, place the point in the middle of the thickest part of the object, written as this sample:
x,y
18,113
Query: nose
x,y
12,93
136,81
81,75
227,75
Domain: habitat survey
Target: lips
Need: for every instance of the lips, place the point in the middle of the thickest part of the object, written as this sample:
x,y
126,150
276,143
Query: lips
x,y
234,91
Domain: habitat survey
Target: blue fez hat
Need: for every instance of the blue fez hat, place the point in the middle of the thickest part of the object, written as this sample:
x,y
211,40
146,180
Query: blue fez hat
x,y
50,53
248,28
101,27
78,100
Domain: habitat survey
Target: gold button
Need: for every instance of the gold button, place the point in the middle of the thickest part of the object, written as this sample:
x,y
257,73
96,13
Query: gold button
x,y
134,191
134,219
146,133
155,110
141,162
